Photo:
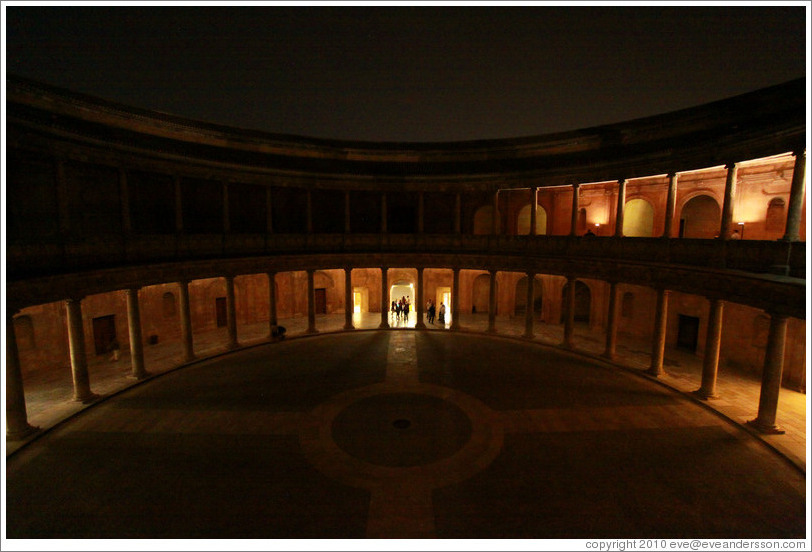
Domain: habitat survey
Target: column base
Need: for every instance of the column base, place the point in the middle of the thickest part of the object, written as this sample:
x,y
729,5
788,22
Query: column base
x,y
232,346
656,372
454,327
87,399
609,356
311,331
383,326
349,327
567,345
704,395
528,336
419,326
189,358
21,433
142,375
767,428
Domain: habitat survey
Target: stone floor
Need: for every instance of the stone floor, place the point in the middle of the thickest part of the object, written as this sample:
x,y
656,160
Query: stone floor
x,y
400,434
48,393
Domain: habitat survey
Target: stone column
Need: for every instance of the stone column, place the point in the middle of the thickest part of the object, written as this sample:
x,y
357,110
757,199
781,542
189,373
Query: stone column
x,y
730,197
136,342
670,205
458,214
420,309
621,206
611,324
534,207
528,310
272,320
383,213
420,212
492,303
710,363
796,198
660,326
496,219
78,356
384,298
347,219
186,322
231,313
771,377
309,212
348,304
574,216
455,299
17,426
569,321
311,303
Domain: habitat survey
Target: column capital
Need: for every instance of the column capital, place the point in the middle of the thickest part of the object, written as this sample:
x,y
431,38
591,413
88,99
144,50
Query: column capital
x,y
575,185
133,289
800,151
673,174
75,298
732,165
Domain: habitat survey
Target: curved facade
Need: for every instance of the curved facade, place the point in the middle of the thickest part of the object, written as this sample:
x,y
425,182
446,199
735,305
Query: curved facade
x,y
138,227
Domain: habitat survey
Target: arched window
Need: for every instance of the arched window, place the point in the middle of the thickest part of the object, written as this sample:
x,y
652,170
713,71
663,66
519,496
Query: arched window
x,y
520,299
523,222
481,294
483,220
581,227
24,332
776,216
627,305
638,219
168,304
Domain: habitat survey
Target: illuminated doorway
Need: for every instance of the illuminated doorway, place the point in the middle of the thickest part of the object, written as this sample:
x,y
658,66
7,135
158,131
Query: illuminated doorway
x,y
398,291
444,298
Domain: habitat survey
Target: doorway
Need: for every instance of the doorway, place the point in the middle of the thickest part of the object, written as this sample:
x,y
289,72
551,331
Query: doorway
x,y
356,301
321,300
104,333
688,332
222,315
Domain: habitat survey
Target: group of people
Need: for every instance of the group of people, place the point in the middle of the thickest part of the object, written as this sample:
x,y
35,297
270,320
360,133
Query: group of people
x,y
432,311
401,308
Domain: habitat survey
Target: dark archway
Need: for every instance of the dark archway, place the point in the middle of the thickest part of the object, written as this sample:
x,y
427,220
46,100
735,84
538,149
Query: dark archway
x,y
700,218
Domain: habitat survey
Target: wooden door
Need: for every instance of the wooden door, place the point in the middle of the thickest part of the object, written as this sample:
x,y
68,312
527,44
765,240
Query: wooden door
x,y
688,332
104,333
321,300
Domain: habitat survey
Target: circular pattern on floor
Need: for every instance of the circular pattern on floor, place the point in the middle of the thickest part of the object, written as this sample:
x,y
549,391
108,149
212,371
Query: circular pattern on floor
x,y
401,429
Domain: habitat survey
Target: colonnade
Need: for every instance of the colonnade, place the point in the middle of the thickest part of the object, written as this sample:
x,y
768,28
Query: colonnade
x,y
17,422
791,233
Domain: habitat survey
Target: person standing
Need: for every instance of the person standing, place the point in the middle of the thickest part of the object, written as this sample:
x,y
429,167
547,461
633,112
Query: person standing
x,y
441,317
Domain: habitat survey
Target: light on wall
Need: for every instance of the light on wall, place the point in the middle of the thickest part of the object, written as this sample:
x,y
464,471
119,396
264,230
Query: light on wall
x,y
741,229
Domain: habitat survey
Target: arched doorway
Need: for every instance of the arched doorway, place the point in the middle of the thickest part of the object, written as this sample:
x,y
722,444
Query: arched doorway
x,y
700,218
480,299
583,302
523,222
520,300
638,219
483,220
